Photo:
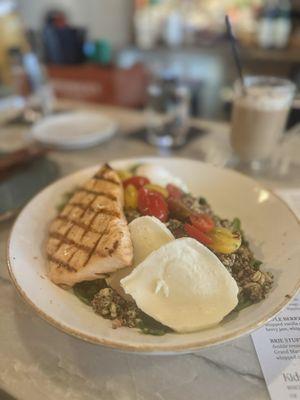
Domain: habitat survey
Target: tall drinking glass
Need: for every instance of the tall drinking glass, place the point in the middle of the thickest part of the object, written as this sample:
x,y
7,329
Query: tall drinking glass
x,y
259,117
167,113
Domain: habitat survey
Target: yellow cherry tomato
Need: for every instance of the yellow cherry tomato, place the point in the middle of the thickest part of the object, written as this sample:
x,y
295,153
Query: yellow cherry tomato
x,y
123,174
131,197
224,241
157,188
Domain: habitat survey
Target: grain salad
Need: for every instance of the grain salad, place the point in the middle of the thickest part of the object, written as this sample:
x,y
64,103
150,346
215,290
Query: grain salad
x,y
184,216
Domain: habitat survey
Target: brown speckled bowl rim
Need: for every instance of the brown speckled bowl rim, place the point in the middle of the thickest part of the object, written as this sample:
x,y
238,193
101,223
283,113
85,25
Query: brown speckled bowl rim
x,y
163,349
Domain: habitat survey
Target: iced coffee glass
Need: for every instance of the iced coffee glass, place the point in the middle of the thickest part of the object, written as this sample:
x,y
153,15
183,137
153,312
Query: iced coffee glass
x,y
260,111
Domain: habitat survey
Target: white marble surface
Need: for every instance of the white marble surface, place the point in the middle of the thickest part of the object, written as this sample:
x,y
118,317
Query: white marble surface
x,y
39,362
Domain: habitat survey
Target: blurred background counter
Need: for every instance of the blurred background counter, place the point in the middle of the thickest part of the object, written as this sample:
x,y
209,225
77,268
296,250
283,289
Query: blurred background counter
x,y
109,51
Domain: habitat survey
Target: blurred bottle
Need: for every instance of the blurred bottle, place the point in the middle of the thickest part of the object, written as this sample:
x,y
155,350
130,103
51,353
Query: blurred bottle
x,y
282,24
147,23
21,73
99,51
18,77
40,97
63,42
174,29
275,24
12,40
190,9
266,24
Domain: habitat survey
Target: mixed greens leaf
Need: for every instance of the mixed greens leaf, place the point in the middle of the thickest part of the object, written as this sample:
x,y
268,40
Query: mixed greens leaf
x,y
150,326
236,225
87,290
256,263
202,201
244,302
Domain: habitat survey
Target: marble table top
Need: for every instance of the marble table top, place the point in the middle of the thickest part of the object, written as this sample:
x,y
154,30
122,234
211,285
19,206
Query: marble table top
x,y
39,362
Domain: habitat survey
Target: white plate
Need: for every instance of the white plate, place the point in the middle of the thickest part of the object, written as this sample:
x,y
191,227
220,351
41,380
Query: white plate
x,y
271,227
74,130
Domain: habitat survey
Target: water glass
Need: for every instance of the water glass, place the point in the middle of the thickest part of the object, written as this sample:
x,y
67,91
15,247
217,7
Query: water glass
x,y
167,113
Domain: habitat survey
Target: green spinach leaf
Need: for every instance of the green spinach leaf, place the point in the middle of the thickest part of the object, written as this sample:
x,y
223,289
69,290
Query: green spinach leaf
x,y
256,263
86,290
202,201
150,326
236,225
244,302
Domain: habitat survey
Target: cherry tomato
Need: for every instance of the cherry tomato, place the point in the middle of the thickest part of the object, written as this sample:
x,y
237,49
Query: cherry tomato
x,y
203,222
224,241
152,203
174,191
178,209
137,181
130,197
143,199
157,188
195,233
123,174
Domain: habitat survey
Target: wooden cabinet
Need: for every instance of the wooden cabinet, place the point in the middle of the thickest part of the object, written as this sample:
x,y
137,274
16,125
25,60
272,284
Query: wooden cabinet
x,y
106,85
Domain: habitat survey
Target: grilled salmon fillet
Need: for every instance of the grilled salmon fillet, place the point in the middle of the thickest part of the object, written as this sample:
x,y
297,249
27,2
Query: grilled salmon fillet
x,y
90,236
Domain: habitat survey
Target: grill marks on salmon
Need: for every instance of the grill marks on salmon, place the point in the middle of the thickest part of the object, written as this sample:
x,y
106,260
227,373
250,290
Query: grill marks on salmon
x,y
90,237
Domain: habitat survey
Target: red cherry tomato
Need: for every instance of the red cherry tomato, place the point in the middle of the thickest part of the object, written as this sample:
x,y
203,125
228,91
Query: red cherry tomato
x,y
203,222
152,203
195,233
137,181
174,191
143,200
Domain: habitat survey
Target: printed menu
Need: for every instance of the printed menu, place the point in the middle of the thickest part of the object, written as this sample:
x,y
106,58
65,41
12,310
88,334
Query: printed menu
x,y
278,342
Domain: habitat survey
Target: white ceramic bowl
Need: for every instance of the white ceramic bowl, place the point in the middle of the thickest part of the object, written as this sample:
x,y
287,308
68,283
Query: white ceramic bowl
x,y
272,229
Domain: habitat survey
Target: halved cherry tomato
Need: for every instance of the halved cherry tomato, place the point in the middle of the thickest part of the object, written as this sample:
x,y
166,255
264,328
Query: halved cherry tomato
x,y
174,191
124,174
178,209
143,199
152,203
137,181
130,197
203,222
224,241
195,233
157,188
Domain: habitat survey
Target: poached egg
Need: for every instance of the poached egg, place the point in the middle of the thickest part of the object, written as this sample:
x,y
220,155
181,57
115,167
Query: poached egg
x,y
147,234
160,176
183,285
